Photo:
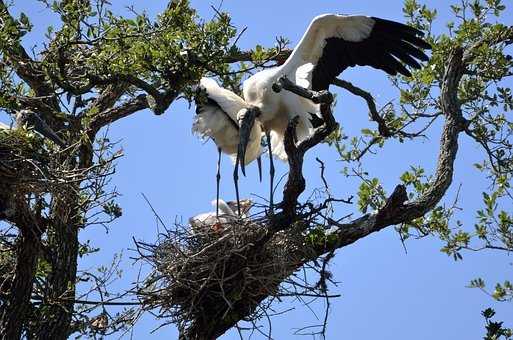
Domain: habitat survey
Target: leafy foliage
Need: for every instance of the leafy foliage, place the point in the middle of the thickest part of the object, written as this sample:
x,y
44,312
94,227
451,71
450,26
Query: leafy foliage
x,y
97,67
486,106
494,329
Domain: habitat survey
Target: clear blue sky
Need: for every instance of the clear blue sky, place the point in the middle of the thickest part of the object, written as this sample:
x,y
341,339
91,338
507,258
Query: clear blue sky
x,y
386,294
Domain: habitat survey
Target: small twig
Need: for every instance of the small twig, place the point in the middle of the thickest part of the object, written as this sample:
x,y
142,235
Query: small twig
x,y
323,168
153,210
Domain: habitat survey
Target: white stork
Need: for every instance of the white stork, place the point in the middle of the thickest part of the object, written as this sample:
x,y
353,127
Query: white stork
x,y
225,213
32,119
331,44
216,117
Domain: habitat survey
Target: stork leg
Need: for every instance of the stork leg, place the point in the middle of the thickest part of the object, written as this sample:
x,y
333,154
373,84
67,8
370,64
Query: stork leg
x,y
271,171
218,180
236,181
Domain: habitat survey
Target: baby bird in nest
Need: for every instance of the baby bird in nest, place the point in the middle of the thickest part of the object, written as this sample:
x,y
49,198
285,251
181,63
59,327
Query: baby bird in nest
x,y
227,214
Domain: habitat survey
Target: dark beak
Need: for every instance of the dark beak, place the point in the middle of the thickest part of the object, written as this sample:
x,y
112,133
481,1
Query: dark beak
x,y
259,163
244,133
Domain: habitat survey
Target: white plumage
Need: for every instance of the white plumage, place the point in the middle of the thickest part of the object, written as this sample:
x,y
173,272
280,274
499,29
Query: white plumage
x,y
331,44
217,118
226,215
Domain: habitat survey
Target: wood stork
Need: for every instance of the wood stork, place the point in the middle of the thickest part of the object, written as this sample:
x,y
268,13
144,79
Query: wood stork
x,y
32,119
225,213
331,44
216,117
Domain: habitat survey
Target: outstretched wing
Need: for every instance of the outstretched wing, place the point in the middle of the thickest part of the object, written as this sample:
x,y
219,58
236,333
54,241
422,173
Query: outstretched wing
x,y
215,100
333,43
216,117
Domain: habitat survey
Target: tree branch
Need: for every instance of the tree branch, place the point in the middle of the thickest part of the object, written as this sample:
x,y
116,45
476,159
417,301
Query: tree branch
x,y
109,116
374,114
296,183
18,287
107,98
26,68
396,209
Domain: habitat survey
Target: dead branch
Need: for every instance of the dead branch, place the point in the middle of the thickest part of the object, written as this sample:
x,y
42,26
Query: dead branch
x,y
369,99
397,210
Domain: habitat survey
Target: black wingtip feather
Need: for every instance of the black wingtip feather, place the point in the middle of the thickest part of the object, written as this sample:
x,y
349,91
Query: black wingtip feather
x,y
403,46
405,32
391,47
406,58
385,24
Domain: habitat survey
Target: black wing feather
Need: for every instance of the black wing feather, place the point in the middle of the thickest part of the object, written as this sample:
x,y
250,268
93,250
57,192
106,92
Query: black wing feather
x,y
389,25
202,100
389,47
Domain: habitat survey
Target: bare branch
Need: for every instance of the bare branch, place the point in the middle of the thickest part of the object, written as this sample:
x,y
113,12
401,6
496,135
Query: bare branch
x,y
374,114
109,116
397,210
296,183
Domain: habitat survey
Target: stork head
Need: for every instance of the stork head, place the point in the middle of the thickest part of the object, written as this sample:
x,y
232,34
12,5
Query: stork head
x,y
246,119
245,206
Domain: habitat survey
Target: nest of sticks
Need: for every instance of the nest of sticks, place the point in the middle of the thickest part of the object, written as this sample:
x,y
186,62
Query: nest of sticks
x,y
219,271
28,167
23,166
22,159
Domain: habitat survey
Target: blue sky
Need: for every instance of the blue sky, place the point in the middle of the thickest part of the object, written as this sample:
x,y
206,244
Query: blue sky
x,y
386,293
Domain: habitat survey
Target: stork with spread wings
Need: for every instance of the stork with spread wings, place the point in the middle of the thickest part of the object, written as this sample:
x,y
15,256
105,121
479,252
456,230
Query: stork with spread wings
x,y
331,44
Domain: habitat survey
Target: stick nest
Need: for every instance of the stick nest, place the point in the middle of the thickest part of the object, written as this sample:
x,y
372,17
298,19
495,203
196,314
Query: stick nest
x,y
29,166
218,272
23,160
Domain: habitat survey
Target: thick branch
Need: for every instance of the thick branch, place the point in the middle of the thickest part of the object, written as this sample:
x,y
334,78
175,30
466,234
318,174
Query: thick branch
x,y
66,217
314,96
109,116
17,289
395,210
138,103
25,67
107,98
296,183
157,101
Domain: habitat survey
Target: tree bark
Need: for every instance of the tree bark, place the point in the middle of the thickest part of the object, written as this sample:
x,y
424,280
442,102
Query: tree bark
x,y
395,211
61,282
17,290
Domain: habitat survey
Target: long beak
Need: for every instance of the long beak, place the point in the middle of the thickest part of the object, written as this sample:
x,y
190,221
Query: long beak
x,y
259,163
43,128
244,133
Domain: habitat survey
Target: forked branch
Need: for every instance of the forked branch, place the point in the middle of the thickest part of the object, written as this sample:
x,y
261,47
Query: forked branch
x,y
396,209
